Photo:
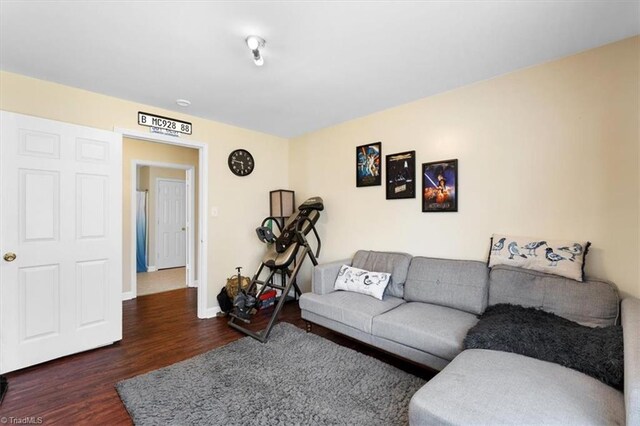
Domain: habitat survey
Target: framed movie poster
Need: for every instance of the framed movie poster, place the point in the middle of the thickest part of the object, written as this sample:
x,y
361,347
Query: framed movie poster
x,y
401,175
440,186
369,165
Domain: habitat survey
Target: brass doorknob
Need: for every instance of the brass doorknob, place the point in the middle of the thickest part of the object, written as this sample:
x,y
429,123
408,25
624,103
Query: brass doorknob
x,y
9,257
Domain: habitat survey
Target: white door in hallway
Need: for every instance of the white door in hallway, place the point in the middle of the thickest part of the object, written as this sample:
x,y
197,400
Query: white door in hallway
x,y
171,241
60,239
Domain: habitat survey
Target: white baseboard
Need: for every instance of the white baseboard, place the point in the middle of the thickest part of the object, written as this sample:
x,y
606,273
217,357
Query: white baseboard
x,y
128,295
194,284
151,268
212,311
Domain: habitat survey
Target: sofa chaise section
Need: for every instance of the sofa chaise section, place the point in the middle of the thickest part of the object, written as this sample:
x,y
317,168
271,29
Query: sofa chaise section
x,y
490,387
500,388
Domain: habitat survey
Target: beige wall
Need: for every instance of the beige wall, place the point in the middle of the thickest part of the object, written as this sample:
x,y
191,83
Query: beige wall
x,y
242,201
143,178
552,151
549,151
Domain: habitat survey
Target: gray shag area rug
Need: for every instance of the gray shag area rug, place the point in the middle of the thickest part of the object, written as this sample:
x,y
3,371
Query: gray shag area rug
x,y
294,378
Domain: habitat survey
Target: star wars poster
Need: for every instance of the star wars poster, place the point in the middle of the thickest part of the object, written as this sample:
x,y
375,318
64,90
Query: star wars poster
x,y
401,175
440,186
368,165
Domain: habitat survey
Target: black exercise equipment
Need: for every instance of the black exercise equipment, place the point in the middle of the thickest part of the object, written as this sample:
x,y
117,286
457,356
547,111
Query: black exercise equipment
x,y
265,234
285,256
244,303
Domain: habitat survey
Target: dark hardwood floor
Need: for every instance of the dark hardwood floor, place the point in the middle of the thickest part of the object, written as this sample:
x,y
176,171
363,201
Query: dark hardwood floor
x,y
158,330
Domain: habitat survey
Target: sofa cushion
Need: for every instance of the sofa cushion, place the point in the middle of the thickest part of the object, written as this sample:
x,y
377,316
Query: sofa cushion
x,y
460,284
489,387
593,303
353,309
435,329
396,264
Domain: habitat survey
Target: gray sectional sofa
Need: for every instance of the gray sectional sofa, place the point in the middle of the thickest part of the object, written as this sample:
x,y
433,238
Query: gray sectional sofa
x,y
432,303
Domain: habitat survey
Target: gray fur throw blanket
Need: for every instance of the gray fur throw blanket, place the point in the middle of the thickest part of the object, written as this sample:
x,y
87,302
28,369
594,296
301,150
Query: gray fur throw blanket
x,y
597,352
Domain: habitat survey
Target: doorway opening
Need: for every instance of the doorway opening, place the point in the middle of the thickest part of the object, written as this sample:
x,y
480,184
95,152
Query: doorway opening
x,y
195,184
165,227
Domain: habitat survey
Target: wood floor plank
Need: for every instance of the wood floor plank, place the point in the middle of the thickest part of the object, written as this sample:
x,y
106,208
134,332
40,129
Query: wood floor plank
x,y
158,330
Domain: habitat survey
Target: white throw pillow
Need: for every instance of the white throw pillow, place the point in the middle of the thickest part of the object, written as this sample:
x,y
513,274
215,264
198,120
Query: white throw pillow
x,y
361,281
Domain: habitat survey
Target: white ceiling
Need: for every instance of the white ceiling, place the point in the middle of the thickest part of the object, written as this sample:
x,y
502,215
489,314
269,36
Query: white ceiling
x,y
325,62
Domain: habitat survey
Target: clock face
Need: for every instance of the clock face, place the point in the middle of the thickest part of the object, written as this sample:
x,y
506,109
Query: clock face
x,y
241,162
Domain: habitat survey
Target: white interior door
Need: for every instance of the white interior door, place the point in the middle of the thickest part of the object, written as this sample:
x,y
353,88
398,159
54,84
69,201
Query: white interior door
x,y
60,213
171,241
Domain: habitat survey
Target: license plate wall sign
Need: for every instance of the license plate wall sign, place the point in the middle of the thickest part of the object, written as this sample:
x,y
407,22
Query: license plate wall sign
x,y
151,120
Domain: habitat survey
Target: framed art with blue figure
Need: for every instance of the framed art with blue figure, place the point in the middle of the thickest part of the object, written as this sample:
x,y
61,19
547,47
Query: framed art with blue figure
x,y
440,186
369,165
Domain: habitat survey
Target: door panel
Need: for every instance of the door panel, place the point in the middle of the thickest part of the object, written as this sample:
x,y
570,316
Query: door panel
x,y
39,302
39,205
39,144
60,213
92,151
92,199
171,214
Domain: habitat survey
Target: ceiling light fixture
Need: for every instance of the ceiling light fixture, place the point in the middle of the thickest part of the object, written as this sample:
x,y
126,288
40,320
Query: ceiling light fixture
x,y
255,43
183,102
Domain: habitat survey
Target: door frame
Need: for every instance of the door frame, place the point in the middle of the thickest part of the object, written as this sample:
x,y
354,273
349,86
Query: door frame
x,y
203,192
189,216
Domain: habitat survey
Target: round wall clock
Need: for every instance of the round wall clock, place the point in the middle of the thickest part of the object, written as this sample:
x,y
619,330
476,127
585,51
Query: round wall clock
x,y
241,162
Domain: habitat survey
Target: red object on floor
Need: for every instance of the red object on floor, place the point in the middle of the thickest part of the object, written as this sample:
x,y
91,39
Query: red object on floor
x,y
267,299
268,295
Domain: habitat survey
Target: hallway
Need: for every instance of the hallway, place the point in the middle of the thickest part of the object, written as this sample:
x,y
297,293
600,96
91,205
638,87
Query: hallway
x,y
161,281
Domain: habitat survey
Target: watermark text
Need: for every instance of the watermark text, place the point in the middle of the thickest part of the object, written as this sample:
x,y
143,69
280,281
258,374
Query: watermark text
x,y
27,420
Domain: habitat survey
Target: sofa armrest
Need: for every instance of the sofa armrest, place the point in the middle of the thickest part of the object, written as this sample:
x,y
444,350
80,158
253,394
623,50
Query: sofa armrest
x,y
324,276
631,335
